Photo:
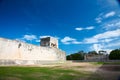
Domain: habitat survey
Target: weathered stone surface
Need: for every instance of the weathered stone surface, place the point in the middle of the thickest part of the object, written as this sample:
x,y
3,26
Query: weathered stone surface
x,y
22,53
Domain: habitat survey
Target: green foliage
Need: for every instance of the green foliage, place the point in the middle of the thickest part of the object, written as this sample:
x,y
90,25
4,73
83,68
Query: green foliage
x,y
115,54
76,56
93,52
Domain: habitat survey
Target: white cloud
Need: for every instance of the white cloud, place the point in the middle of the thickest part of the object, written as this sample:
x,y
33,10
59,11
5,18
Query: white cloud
x,y
113,44
45,36
20,39
90,27
79,28
48,36
107,41
29,37
38,40
107,47
32,38
69,40
87,28
76,42
108,50
106,36
103,16
90,40
110,14
114,24
96,47
98,19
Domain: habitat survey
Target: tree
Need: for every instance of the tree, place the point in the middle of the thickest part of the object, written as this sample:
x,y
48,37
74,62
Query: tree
x,y
115,54
76,56
68,57
93,53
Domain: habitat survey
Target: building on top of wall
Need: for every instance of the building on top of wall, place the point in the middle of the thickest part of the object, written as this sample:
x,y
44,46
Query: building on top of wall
x,y
49,42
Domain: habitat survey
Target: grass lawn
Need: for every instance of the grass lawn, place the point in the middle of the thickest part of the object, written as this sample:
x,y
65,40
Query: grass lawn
x,y
42,73
68,71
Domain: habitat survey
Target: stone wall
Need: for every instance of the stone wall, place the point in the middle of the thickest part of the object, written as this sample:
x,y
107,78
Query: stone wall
x,y
95,57
22,53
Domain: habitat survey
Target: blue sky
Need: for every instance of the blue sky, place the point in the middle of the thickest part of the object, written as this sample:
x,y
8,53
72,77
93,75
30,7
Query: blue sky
x,y
78,24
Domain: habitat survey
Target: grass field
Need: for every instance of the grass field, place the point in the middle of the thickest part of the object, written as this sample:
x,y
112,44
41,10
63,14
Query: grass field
x,y
39,73
71,71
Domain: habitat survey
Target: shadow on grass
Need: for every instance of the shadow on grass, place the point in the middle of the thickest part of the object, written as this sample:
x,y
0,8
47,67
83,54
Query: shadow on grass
x,y
105,71
110,70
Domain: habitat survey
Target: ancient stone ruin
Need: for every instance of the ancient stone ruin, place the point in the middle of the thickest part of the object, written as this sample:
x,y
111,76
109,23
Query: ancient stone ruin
x,y
49,42
14,52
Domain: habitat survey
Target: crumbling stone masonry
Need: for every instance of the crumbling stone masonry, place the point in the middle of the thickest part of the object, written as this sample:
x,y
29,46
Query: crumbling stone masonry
x,y
14,52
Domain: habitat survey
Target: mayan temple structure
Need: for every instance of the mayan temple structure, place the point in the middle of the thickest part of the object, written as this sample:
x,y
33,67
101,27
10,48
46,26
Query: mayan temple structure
x,y
14,52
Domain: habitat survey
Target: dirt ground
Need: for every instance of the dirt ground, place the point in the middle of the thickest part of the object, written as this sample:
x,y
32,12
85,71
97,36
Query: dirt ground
x,y
107,72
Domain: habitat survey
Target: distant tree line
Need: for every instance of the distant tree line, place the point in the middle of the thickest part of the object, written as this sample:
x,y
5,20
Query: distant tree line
x,y
114,55
76,56
80,55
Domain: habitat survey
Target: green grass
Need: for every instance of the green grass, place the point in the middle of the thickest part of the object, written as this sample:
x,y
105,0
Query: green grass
x,y
39,73
50,73
44,73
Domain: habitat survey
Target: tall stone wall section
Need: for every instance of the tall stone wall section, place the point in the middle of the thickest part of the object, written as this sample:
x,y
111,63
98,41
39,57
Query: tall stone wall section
x,y
14,52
